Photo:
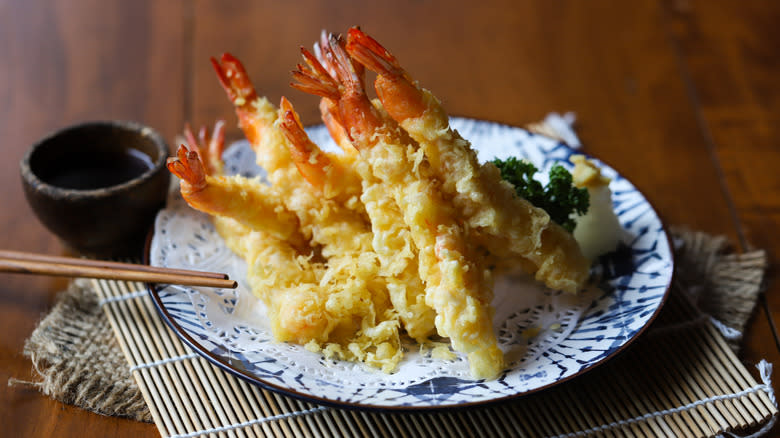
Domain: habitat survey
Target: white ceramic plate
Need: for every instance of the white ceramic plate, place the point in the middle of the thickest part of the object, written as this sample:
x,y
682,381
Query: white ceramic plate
x,y
548,337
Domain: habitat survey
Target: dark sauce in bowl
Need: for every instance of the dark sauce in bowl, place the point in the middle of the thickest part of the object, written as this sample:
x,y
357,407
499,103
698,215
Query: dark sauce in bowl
x,y
98,185
96,171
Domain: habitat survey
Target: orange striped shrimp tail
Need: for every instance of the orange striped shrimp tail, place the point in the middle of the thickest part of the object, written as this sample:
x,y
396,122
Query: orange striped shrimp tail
x,y
373,55
311,162
313,78
234,79
397,90
187,166
209,148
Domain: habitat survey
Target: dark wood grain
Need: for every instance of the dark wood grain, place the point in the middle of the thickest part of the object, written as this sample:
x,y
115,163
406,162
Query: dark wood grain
x,y
680,96
69,62
729,55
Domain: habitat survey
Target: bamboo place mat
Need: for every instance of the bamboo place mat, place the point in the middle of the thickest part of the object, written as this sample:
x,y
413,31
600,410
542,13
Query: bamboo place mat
x,y
681,379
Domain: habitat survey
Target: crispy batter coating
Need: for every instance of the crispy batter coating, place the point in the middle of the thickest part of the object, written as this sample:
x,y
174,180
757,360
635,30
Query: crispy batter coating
x,y
508,223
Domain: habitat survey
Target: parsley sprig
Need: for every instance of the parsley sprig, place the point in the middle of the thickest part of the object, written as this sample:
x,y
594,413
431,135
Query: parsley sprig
x,y
559,198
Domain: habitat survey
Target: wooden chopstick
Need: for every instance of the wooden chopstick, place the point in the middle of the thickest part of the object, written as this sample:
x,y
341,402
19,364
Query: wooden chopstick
x,y
29,263
28,256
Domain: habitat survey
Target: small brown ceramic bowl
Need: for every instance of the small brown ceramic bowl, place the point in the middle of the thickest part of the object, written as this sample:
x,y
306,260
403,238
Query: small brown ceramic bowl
x,y
98,185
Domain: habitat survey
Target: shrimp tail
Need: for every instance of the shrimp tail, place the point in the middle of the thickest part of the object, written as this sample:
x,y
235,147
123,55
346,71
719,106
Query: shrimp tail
x,y
187,166
319,51
242,94
339,61
192,141
234,79
373,55
313,78
189,137
291,123
332,54
309,159
332,120
217,142
208,148
399,93
328,106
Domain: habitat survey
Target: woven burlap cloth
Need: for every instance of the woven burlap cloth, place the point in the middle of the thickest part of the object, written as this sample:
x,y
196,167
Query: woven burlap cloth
x,y
74,352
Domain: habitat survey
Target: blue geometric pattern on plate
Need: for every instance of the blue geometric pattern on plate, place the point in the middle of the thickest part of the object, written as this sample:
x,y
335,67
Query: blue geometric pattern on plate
x,y
547,336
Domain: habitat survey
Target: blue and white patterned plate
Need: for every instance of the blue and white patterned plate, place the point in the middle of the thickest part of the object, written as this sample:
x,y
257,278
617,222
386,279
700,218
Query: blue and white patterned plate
x,y
547,337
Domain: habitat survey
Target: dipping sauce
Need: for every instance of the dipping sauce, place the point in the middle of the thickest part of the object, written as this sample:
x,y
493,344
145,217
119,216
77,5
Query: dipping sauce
x,y
96,171
98,185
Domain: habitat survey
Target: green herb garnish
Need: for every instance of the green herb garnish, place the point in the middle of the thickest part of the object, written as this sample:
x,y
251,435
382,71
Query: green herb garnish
x,y
559,198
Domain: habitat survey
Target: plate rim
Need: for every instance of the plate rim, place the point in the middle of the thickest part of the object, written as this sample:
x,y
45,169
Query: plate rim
x,y
153,290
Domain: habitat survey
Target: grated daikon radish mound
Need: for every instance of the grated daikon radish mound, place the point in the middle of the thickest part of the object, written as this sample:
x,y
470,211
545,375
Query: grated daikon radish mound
x,y
598,232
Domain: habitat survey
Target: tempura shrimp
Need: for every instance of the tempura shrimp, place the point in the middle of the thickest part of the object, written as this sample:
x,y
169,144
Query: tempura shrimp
x,y
275,266
257,118
249,202
486,203
210,149
327,175
392,240
455,286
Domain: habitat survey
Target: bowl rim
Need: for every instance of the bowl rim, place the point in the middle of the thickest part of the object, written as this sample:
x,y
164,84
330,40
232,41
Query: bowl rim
x,y
159,163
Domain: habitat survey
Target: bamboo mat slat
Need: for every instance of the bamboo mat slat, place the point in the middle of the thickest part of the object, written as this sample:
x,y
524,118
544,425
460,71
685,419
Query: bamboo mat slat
x,y
690,384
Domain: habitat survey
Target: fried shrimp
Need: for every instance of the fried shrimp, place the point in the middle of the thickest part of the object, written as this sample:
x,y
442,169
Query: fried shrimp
x,y
264,249
210,149
332,177
455,285
487,204
252,204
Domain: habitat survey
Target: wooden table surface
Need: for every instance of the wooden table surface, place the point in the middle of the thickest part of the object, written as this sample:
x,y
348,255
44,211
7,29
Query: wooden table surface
x,y
680,96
